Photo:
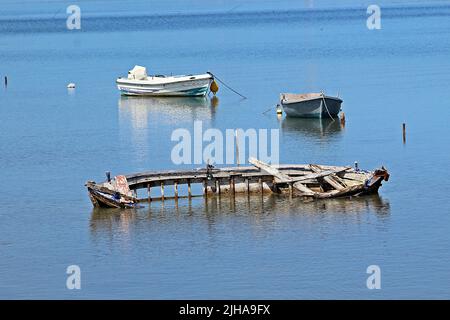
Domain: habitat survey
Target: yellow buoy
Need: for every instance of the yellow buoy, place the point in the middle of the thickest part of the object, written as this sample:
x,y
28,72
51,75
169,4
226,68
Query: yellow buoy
x,y
279,111
214,87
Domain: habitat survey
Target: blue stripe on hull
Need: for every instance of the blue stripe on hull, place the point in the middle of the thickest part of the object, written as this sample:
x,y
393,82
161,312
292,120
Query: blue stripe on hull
x,y
185,93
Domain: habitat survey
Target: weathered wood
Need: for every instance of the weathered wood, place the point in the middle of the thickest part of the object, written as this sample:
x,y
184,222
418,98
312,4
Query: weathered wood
x,y
281,177
175,188
233,182
303,180
189,188
404,132
329,178
304,191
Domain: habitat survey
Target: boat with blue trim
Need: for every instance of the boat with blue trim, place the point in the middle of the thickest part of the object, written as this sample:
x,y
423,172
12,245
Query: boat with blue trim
x,y
139,83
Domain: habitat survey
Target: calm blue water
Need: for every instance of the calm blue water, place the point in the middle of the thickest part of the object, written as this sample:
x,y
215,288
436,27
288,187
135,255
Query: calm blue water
x,y
52,141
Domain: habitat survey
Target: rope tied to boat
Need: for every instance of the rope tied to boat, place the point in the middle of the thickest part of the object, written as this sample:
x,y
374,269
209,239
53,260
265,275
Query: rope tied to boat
x,y
326,107
227,86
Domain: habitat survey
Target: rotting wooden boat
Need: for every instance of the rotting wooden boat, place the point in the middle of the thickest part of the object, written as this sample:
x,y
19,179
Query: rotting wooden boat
x,y
111,194
138,83
310,105
309,181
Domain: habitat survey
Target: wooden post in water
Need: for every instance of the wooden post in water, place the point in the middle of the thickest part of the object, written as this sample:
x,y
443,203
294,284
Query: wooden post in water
x,y
247,184
261,187
6,81
189,188
234,185
175,188
342,119
162,190
149,193
205,188
291,189
404,132
218,187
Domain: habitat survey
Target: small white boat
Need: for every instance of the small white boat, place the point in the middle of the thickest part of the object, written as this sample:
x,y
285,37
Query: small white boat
x,y
139,83
310,105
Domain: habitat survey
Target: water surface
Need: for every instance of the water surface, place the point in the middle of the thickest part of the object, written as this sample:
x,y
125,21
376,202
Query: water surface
x,y
52,141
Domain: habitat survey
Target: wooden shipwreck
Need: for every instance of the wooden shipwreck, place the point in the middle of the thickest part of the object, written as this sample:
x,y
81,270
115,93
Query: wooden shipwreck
x,y
309,181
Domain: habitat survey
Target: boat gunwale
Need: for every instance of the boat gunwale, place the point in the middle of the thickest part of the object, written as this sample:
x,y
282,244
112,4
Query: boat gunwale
x,y
126,81
285,102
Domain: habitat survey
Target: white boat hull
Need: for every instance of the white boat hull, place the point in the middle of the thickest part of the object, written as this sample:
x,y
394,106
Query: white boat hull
x,y
179,86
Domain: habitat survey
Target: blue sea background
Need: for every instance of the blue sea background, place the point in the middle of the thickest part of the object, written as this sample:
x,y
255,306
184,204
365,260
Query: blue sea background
x,y
53,140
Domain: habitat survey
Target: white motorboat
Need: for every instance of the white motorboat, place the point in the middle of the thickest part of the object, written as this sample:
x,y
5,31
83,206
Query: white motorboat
x,y
139,83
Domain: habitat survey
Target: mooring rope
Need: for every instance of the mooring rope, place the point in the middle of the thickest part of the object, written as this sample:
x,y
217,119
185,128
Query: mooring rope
x,y
272,107
326,107
215,77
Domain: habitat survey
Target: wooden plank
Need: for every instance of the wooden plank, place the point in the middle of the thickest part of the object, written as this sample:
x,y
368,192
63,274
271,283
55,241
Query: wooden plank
x,y
305,191
279,176
329,178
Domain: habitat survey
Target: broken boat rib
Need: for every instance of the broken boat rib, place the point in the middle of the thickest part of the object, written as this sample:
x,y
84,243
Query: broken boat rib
x,y
310,181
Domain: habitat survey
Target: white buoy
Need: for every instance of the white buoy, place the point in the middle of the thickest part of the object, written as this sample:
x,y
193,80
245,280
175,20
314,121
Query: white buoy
x,y
71,85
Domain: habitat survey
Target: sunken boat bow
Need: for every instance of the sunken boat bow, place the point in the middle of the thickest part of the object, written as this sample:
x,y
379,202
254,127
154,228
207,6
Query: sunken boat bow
x,y
111,194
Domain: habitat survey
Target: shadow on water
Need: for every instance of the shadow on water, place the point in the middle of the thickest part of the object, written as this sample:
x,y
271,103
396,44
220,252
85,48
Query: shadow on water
x,y
254,209
314,128
166,109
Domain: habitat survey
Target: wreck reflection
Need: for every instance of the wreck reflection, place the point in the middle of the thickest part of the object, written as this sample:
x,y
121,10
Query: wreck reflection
x,y
260,212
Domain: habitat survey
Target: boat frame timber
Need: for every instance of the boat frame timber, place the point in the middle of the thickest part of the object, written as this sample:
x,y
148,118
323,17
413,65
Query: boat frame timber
x,y
308,181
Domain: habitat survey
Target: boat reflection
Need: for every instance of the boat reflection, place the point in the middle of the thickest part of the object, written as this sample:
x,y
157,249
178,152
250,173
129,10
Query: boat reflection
x,y
261,211
166,110
315,128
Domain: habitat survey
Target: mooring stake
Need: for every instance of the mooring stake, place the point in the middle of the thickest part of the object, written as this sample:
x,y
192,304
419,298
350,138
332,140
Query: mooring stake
x,y
404,132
